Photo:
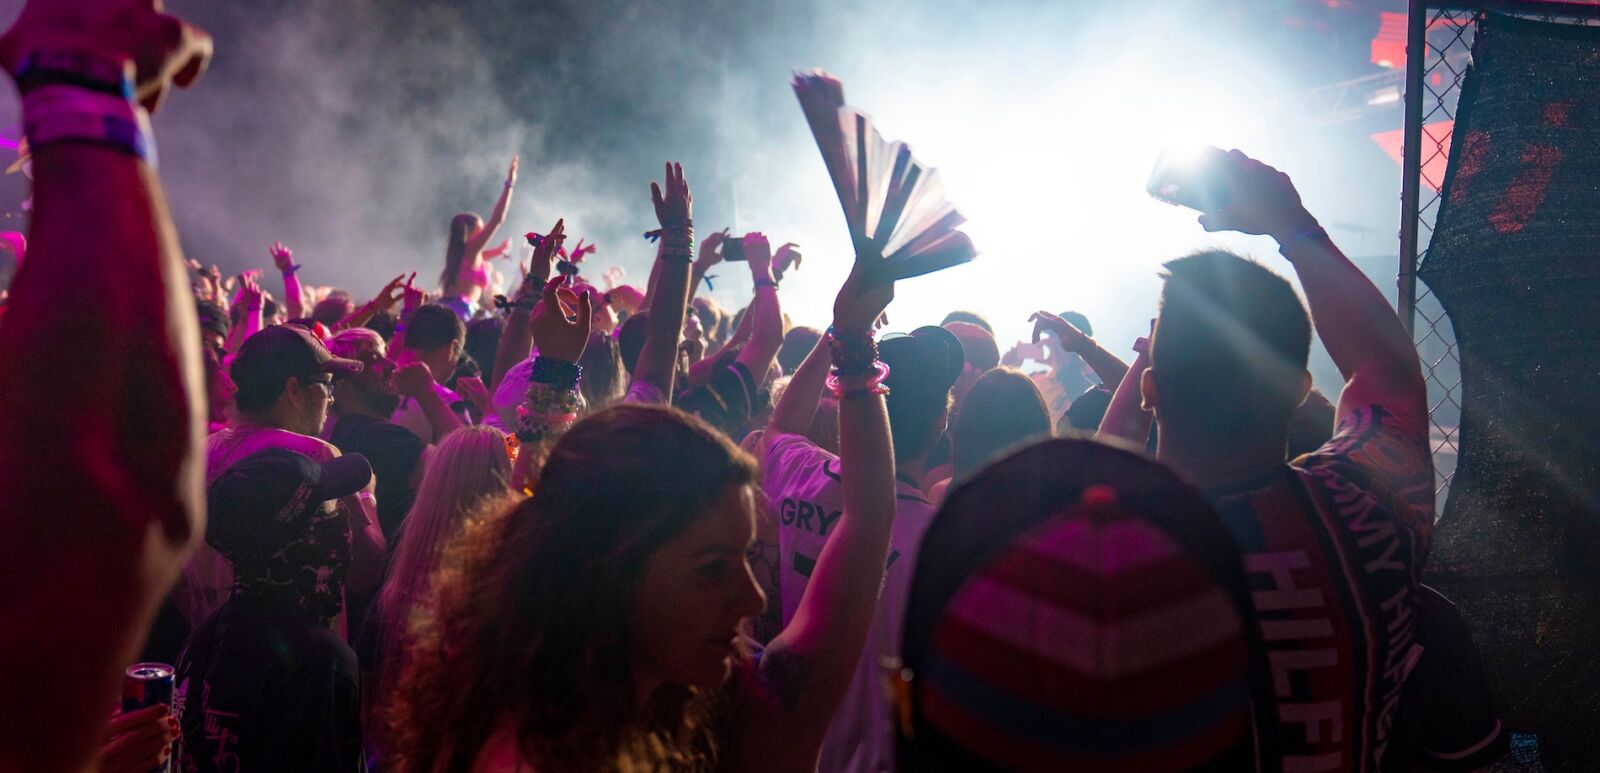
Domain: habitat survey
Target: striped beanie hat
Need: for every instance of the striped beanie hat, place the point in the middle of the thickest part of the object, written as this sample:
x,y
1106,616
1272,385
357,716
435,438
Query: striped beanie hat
x,y
1078,607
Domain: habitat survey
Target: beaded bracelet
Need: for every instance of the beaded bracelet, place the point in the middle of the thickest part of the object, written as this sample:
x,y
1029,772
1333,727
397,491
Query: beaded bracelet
x,y
853,354
854,385
760,283
556,374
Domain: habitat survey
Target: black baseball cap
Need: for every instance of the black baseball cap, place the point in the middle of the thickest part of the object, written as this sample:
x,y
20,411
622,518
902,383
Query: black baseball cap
x,y
926,362
268,499
275,354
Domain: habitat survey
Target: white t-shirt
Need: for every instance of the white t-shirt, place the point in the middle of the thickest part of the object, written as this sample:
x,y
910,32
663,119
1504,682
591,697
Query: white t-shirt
x,y
806,499
411,416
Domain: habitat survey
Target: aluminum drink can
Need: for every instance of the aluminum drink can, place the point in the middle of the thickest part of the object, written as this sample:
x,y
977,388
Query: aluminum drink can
x,y
146,684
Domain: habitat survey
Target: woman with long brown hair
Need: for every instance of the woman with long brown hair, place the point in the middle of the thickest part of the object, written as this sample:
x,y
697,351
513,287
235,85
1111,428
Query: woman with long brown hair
x,y
466,273
596,624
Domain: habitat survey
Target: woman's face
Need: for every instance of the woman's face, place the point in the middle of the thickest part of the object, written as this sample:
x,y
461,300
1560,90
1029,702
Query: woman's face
x,y
695,593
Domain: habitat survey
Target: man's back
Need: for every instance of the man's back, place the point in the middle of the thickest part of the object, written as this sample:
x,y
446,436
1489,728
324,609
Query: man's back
x,y
394,453
805,496
263,686
1334,544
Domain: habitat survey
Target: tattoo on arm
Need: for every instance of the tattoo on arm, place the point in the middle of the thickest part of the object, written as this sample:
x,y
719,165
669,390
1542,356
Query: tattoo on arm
x,y
785,673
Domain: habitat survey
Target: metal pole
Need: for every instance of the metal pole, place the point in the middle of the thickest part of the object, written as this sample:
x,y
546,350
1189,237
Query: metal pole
x,y
1411,161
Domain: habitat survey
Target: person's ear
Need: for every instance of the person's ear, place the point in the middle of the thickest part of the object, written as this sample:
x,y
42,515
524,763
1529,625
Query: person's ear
x,y
295,389
455,350
1149,396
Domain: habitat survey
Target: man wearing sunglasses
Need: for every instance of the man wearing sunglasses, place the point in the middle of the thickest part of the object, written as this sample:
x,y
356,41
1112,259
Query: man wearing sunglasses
x,y
284,377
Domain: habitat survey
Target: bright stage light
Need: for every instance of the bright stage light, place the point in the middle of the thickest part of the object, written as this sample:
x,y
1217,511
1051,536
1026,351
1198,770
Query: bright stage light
x,y
1051,177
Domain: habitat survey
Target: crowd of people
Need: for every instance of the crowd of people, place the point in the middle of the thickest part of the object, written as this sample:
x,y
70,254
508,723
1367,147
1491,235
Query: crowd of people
x,y
561,527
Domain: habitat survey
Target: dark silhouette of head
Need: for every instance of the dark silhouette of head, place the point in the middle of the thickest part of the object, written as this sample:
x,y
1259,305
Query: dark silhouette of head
x,y
1003,410
1228,361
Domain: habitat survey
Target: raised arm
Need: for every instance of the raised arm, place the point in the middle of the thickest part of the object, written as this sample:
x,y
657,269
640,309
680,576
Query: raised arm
x,y
249,302
765,315
1109,367
102,468
1126,418
413,380
658,359
385,300
710,255
798,407
807,668
516,341
480,239
1357,325
293,299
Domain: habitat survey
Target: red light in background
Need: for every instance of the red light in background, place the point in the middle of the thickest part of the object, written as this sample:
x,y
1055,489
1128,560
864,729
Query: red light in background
x,y
1436,134
1389,45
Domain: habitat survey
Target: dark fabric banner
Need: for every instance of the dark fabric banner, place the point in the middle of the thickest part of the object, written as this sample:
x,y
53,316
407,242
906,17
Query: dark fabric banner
x,y
1515,260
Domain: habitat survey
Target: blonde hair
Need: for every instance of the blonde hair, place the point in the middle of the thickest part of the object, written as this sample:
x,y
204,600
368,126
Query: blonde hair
x,y
348,341
466,469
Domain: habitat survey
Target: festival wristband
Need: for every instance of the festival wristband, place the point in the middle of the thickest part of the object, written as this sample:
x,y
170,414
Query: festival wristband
x,y
760,283
59,113
74,68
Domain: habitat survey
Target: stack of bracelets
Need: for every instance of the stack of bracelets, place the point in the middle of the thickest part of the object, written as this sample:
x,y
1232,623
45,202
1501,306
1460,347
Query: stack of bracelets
x,y
857,371
70,96
677,241
553,400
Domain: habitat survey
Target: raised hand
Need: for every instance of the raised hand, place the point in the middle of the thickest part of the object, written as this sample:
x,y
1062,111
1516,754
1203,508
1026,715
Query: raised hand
x,y
546,251
561,321
392,293
164,49
578,253
250,292
863,298
511,174
758,251
787,257
502,250
282,257
1261,200
1072,339
413,380
472,390
710,250
674,205
411,297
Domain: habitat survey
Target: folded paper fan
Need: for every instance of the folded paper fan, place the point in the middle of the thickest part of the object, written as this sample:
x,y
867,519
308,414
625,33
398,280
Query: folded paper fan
x,y
893,204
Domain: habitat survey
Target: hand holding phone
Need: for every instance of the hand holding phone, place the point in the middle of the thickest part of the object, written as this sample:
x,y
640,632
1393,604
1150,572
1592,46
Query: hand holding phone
x,y
1193,178
732,248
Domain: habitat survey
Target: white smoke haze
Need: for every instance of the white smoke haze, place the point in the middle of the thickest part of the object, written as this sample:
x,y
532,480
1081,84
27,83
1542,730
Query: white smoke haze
x,y
354,129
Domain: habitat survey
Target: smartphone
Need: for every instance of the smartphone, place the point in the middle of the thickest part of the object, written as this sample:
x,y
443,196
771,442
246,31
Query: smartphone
x,y
1190,178
1029,351
733,248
